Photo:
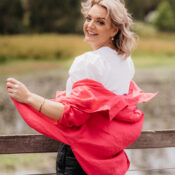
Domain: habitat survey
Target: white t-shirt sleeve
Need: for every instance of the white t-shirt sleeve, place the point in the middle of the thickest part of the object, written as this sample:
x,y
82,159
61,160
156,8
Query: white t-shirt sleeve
x,y
86,66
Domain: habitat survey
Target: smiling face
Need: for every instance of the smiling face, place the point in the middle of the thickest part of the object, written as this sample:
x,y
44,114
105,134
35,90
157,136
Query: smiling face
x,y
98,28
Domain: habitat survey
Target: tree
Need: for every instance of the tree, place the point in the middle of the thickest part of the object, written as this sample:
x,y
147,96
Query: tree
x,y
140,8
165,19
54,15
172,4
11,15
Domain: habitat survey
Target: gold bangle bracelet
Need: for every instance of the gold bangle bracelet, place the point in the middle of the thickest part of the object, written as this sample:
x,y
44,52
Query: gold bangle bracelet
x,y
42,104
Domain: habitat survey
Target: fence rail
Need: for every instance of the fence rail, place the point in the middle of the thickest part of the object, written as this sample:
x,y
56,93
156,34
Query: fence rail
x,y
15,144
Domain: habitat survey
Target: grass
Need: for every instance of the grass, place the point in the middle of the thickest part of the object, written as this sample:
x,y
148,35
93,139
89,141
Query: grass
x,y
153,61
44,46
24,67
156,46
21,54
155,51
27,162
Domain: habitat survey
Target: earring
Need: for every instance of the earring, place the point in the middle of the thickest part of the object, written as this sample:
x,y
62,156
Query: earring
x,y
112,38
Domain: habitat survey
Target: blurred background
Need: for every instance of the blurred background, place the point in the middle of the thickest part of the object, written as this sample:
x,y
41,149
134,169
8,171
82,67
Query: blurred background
x,y
38,42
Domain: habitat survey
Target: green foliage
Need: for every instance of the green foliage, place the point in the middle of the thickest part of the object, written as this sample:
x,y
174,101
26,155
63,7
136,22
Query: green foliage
x,y
54,15
165,19
172,4
140,8
58,16
144,29
3,59
11,14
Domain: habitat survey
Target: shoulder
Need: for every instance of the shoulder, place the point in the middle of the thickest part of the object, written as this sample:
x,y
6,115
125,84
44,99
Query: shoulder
x,y
90,65
90,57
89,60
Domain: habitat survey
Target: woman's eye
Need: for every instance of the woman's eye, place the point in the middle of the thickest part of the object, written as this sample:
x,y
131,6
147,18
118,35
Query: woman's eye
x,y
100,22
88,18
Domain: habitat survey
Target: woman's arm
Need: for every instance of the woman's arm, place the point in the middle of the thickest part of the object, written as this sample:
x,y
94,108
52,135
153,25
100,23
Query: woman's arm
x,y
19,92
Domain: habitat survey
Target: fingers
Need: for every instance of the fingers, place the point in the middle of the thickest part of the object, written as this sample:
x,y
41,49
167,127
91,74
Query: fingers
x,y
10,90
13,88
13,80
17,90
12,95
11,85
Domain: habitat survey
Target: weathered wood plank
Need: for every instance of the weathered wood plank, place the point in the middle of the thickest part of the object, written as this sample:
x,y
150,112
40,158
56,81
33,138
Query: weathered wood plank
x,y
27,144
41,144
148,170
43,174
155,139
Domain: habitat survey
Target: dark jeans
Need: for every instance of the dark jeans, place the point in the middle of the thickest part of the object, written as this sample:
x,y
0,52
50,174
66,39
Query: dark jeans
x,y
66,163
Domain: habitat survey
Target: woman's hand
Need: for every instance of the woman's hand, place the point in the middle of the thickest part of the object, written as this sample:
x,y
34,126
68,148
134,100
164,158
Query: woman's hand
x,y
17,90
20,93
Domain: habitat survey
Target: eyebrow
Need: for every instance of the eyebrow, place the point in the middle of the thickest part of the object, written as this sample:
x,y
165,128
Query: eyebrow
x,y
97,17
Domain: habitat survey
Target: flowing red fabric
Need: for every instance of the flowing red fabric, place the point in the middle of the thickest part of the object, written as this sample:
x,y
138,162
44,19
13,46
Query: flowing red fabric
x,y
96,123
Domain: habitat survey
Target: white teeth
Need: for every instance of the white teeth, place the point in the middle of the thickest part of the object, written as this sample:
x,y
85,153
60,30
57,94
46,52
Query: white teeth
x,y
91,33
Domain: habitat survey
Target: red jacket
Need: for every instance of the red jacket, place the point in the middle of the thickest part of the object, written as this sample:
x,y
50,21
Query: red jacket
x,y
96,123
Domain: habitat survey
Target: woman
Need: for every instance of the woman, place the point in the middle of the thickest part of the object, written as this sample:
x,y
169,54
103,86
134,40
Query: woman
x,y
97,117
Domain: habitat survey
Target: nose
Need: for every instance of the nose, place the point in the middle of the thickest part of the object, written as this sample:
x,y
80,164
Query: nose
x,y
91,24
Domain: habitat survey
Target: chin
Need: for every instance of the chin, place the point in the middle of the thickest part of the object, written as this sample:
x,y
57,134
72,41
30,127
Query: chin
x,y
92,43
89,40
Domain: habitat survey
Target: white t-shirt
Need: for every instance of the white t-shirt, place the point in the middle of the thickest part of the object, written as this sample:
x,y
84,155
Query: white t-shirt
x,y
105,66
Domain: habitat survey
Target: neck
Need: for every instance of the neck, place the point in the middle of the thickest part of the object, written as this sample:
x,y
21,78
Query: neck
x,y
95,47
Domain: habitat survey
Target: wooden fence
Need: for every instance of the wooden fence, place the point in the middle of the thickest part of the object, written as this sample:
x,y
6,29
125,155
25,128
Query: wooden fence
x,y
16,144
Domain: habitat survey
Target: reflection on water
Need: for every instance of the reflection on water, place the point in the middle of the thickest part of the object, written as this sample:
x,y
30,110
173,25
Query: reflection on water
x,y
152,159
159,114
21,172
39,163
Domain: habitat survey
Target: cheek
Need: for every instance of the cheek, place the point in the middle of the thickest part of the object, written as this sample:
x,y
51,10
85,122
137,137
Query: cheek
x,y
84,26
105,32
103,29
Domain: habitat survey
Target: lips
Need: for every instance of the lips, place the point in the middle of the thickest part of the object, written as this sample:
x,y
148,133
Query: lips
x,y
90,33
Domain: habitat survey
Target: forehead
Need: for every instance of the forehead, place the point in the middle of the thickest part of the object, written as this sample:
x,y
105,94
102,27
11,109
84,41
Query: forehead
x,y
98,11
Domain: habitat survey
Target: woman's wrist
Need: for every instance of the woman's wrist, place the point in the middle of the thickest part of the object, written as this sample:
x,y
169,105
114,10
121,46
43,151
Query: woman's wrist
x,y
42,104
29,98
34,98
35,101
50,108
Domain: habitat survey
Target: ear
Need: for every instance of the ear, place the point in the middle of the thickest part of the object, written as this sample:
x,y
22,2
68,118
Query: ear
x,y
114,31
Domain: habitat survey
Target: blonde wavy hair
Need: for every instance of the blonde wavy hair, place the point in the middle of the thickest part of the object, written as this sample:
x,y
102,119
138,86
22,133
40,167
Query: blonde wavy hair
x,y
124,41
